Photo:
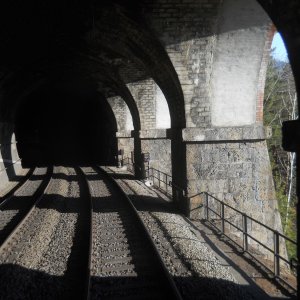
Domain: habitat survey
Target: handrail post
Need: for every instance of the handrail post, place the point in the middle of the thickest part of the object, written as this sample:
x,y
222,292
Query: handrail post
x,y
276,254
166,177
159,179
245,232
207,211
222,218
148,167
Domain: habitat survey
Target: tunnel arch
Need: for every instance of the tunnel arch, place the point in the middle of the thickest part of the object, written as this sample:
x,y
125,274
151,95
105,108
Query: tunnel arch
x,y
122,113
132,43
56,126
176,32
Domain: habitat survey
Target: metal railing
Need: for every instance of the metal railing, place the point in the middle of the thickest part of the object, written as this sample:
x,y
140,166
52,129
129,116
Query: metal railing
x,y
161,180
127,161
220,216
211,209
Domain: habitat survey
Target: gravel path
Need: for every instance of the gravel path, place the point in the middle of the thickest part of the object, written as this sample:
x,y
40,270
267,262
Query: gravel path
x,y
123,267
12,211
197,271
40,260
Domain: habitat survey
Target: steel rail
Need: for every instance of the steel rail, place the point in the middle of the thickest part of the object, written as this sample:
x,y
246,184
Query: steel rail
x,y
20,224
175,294
89,266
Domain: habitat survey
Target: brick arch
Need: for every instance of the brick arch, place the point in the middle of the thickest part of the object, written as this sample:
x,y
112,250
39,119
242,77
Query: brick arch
x,y
286,17
14,89
191,34
122,113
111,79
129,40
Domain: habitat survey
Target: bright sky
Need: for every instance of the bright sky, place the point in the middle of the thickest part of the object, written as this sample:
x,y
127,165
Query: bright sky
x,y
280,52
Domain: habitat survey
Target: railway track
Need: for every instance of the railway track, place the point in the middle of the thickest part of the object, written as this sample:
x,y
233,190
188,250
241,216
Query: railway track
x,y
17,203
82,239
6,195
46,256
124,261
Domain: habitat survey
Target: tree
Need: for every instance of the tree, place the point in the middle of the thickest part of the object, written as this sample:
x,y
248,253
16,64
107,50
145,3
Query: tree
x,y
280,104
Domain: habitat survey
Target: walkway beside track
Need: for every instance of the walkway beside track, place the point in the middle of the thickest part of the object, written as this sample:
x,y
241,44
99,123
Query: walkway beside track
x,y
211,265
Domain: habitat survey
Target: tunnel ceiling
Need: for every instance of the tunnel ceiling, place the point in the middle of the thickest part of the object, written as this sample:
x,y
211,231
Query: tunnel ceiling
x,y
49,41
107,42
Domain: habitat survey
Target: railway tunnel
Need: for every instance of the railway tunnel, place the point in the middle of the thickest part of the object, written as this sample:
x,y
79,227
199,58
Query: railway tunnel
x,y
69,124
182,81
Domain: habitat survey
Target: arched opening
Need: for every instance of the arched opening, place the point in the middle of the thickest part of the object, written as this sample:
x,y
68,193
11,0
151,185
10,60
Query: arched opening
x,y
280,105
66,125
163,119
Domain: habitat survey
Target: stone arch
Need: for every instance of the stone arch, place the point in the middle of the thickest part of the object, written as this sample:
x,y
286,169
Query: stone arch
x,y
218,50
154,140
163,120
152,104
130,40
125,125
122,113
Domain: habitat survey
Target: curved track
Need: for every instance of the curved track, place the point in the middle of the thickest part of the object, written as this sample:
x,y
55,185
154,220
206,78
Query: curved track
x,y
46,256
4,197
125,263
18,203
82,239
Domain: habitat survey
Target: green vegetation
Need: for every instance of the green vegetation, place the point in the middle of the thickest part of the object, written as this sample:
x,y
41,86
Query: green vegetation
x,y
280,104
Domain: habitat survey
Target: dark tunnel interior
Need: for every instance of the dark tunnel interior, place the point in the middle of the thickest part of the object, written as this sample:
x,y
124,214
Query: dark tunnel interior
x,y
66,124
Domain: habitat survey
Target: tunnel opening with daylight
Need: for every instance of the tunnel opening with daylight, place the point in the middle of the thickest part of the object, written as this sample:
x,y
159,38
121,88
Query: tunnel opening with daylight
x,y
66,124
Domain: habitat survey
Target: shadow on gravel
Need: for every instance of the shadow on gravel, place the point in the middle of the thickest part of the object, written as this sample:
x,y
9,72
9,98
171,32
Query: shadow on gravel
x,y
14,211
214,288
17,282
65,177
123,176
258,268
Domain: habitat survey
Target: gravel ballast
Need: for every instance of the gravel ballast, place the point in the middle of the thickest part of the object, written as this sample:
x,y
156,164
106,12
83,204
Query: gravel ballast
x,y
20,202
123,264
36,263
198,273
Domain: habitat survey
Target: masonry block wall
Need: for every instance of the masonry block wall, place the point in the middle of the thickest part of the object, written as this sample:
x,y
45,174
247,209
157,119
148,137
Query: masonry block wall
x,y
155,117
187,31
143,93
219,50
124,123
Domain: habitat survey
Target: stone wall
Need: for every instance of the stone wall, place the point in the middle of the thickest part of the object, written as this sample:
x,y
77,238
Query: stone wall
x,y
121,112
125,125
238,173
158,145
239,62
127,145
186,29
144,94
160,154
162,110
219,51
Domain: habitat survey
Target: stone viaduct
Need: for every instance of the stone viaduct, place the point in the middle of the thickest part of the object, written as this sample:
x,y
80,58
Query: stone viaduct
x,y
180,79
